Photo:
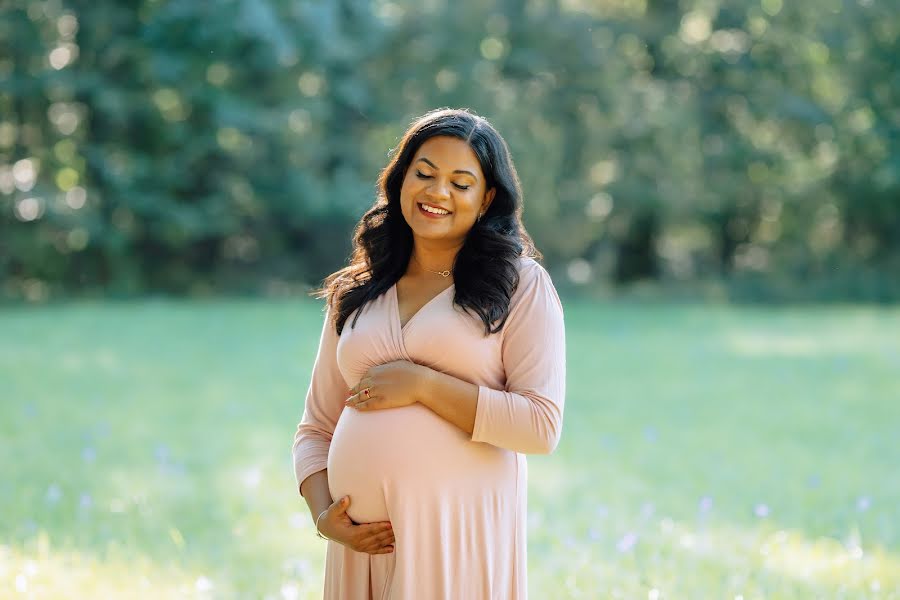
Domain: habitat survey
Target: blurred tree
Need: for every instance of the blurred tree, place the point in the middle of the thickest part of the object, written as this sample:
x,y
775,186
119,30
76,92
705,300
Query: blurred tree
x,y
232,145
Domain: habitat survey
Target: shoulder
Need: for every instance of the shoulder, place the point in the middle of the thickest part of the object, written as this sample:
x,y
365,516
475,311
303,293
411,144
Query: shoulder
x,y
535,286
529,267
532,273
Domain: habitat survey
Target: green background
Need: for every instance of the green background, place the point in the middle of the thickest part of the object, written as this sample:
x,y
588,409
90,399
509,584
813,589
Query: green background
x,y
712,148
714,185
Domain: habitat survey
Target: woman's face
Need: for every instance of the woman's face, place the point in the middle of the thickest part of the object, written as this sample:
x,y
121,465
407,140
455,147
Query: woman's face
x,y
444,174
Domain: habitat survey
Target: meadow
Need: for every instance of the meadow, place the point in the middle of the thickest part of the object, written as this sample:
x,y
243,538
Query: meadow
x,y
708,452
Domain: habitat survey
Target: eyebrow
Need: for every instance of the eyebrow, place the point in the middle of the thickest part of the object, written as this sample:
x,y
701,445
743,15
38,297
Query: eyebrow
x,y
434,166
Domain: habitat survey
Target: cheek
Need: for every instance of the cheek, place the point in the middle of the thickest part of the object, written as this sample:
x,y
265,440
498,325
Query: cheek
x,y
409,188
404,196
469,203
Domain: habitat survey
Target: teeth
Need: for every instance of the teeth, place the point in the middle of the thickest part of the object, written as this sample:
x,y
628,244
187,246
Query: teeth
x,y
436,211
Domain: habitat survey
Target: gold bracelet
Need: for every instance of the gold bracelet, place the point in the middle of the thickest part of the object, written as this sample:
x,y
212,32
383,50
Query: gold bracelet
x,y
318,533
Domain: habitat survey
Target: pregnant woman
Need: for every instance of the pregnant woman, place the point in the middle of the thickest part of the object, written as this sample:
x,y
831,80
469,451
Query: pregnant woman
x,y
441,363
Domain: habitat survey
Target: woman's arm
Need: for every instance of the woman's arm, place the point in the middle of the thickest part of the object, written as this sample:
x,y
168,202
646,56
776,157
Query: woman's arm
x,y
314,490
324,403
525,416
453,399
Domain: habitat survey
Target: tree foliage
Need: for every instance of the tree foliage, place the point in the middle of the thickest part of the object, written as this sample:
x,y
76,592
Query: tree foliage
x,y
194,146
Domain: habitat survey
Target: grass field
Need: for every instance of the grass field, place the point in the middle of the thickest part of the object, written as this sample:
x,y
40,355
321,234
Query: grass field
x,y
707,452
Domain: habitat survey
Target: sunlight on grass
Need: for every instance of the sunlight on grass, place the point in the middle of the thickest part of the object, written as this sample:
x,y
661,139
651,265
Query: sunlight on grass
x,y
827,560
708,452
47,572
41,571
679,559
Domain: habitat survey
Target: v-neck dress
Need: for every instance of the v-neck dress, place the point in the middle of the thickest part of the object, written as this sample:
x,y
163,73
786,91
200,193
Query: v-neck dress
x,y
457,502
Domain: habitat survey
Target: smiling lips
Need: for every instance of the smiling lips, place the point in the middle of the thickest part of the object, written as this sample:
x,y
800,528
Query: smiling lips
x,y
433,211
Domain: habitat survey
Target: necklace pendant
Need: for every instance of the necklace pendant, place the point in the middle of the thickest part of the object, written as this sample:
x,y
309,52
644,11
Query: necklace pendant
x,y
443,273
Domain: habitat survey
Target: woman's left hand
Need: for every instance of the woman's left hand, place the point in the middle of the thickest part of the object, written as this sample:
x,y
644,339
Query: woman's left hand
x,y
391,385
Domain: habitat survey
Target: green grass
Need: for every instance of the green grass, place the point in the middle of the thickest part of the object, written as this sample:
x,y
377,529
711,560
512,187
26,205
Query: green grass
x,y
708,452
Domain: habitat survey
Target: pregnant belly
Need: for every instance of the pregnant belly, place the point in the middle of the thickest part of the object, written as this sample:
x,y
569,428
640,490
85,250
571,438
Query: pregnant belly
x,y
408,450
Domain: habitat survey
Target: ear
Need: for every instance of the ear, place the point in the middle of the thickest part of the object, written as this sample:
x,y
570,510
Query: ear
x,y
488,198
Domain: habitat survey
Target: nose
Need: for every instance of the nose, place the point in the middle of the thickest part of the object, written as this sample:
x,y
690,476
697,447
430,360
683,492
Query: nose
x,y
437,190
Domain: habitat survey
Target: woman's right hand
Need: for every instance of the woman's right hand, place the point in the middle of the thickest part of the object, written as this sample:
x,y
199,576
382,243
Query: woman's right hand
x,y
372,538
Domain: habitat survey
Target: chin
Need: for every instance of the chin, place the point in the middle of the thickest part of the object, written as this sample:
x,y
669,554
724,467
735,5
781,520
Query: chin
x,y
425,232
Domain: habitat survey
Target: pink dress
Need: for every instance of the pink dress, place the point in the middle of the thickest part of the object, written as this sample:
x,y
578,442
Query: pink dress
x,y
457,502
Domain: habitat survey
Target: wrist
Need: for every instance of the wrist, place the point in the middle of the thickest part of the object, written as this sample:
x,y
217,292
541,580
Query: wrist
x,y
318,532
425,391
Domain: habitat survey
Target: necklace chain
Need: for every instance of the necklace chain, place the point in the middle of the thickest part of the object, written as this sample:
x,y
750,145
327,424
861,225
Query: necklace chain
x,y
445,273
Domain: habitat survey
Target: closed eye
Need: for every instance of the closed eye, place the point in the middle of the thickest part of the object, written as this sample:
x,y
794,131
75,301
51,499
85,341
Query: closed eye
x,y
421,175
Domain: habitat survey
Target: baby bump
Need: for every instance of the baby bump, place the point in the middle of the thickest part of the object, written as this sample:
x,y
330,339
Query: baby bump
x,y
410,449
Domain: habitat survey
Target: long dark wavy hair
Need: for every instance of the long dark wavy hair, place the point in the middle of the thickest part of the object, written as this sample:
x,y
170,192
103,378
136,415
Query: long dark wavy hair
x,y
485,270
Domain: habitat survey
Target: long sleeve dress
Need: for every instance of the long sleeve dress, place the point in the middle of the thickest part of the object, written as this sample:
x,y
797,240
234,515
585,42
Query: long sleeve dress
x,y
457,502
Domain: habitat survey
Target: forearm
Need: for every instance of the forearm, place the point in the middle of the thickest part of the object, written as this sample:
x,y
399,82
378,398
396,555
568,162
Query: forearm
x,y
316,493
524,422
452,399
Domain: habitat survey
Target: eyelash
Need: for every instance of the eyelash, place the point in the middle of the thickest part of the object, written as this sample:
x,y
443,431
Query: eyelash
x,y
422,176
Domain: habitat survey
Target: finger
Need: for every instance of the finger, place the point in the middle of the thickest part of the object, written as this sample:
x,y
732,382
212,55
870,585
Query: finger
x,y
366,393
362,401
357,397
364,382
384,550
341,505
376,545
375,526
358,385
373,403
379,539
372,529
385,539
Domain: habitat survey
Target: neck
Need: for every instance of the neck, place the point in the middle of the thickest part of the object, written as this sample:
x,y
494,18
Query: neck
x,y
429,258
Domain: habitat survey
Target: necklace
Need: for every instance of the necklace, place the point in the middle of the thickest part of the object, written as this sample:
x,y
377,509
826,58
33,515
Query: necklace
x,y
445,273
